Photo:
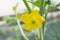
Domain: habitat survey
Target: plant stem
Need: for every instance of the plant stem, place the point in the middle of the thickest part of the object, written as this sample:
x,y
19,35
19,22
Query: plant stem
x,y
46,15
41,11
36,37
41,7
27,5
41,34
20,28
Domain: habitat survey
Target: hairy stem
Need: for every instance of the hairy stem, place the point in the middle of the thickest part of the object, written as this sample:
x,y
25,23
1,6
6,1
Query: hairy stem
x,y
41,11
20,28
27,5
41,7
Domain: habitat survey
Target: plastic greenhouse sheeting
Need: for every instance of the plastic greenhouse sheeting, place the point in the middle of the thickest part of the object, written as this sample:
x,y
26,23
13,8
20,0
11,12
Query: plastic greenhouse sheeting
x,y
53,31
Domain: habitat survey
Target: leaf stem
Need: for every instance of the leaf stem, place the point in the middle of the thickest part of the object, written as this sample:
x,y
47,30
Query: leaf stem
x,y
27,5
20,28
41,7
46,15
41,11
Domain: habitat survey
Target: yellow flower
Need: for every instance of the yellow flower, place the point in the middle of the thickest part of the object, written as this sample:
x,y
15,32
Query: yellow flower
x,y
32,21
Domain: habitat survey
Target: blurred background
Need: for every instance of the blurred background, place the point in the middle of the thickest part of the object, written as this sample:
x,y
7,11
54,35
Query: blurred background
x,y
8,25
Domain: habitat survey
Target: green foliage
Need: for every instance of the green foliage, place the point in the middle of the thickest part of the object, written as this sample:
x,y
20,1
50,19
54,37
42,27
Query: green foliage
x,y
37,3
15,7
7,33
52,8
27,5
46,2
10,20
3,34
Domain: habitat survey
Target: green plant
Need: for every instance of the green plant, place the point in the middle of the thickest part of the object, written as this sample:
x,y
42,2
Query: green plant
x,y
10,20
30,20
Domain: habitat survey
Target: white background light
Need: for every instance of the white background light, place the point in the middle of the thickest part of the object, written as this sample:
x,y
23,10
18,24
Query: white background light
x,y
6,6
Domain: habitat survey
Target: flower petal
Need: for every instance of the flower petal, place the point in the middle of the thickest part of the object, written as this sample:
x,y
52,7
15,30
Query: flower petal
x,y
26,18
37,17
30,27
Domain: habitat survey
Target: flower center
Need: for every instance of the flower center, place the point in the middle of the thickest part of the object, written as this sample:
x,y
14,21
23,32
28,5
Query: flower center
x,y
33,22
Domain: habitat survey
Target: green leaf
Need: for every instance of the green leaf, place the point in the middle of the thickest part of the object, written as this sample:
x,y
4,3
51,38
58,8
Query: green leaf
x,y
52,8
15,7
10,20
47,2
37,3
